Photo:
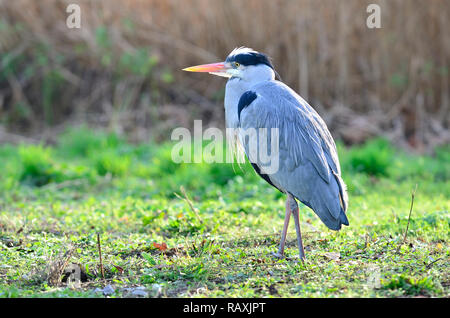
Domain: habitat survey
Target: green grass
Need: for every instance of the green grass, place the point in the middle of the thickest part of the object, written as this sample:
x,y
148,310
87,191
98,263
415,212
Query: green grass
x,y
56,199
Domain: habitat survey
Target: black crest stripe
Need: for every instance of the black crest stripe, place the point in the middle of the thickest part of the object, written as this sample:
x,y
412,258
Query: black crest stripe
x,y
251,58
246,99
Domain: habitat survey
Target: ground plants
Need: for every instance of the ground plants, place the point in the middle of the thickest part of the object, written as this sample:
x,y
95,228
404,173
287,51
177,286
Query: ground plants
x,y
208,230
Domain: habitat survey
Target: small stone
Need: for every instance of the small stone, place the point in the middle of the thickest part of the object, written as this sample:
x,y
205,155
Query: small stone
x,y
98,290
139,293
108,290
332,255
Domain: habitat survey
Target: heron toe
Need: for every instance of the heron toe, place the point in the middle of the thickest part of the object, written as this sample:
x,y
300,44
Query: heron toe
x,y
278,255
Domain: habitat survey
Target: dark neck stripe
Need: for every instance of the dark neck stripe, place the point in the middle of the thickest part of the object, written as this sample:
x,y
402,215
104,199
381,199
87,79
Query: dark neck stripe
x,y
246,99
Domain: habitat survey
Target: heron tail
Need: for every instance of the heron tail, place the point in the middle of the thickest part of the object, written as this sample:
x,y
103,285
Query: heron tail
x,y
330,202
343,218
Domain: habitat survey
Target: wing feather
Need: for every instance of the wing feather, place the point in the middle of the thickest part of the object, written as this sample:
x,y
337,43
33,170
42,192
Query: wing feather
x,y
309,165
304,134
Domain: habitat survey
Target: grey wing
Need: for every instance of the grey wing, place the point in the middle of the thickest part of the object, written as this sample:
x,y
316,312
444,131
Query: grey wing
x,y
308,163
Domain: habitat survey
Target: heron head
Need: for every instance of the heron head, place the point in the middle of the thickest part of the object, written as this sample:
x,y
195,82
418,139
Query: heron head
x,y
243,63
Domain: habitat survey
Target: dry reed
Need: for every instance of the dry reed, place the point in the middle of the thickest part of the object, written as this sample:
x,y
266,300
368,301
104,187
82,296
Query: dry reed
x,y
392,81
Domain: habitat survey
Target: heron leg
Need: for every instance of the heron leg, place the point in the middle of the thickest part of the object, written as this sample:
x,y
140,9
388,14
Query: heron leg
x,y
294,208
287,217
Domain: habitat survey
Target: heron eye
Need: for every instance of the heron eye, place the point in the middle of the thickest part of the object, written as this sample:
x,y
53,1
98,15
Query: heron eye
x,y
237,64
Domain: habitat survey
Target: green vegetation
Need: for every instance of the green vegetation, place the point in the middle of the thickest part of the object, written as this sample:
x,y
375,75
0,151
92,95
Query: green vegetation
x,y
208,230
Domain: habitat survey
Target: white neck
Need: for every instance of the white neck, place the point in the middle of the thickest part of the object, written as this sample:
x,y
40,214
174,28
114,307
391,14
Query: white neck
x,y
250,76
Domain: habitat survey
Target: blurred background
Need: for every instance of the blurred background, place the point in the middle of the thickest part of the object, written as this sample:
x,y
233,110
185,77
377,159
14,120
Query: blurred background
x,y
121,70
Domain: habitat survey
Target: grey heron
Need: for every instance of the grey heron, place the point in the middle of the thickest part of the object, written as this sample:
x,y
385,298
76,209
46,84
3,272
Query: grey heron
x,y
309,169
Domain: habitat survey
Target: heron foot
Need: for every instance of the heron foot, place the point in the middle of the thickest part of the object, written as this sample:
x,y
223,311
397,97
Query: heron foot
x,y
299,259
278,255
